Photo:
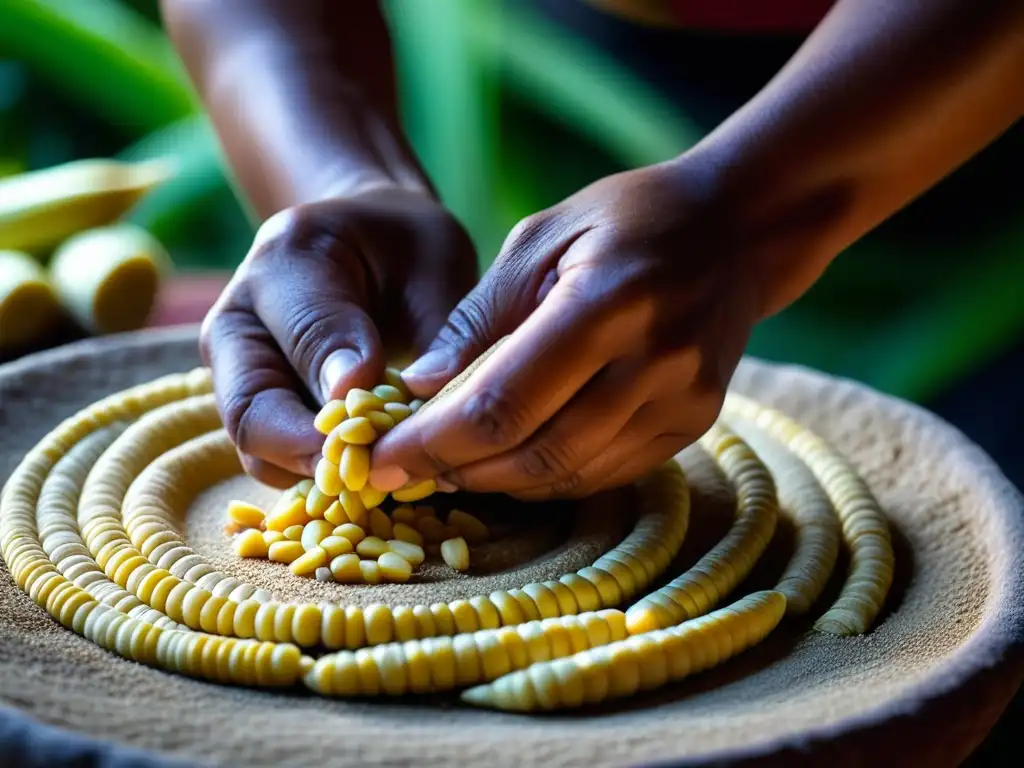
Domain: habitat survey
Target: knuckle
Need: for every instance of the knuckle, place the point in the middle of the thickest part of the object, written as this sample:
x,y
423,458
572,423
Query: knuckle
x,y
568,486
526,230
496,418
548,459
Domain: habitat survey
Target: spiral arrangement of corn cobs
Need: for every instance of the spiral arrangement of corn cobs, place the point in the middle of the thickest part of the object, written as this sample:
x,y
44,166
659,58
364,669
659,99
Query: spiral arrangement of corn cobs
x,y
89,529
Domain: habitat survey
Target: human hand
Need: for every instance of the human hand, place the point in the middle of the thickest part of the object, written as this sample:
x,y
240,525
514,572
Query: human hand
x,y
325,292
628,310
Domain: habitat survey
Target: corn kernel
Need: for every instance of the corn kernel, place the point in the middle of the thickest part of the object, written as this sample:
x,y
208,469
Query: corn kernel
x,y
317,503
251,544
246,515
382,423
358,402
230,529
388,393
335,514
355,511
358,430
336,545
420,490
394,567
315,532
433,530
285,551
328,479
371,497
333,446
404,532
404,514
371,546
350,531
380,524
272,537
354,468
423,511
469,527
415,405
413,553
323,573
456,553
293,514
330,416
398,411
370,571
393,378
345,568
308,562
303,487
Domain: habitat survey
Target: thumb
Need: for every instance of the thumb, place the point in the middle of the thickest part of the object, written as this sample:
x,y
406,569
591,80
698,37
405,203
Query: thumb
x,y
506,295
313,306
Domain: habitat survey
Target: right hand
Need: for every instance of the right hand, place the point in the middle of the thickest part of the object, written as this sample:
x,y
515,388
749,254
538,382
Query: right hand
x,y
325,292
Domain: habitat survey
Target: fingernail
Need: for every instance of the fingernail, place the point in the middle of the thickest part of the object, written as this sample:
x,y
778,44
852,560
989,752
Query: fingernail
x,y
444,486
431,364
335,368
388,478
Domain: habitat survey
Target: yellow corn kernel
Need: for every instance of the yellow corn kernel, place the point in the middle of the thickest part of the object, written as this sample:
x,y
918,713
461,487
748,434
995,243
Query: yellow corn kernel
x,y
404,514
371,546
380,524
230,529
285,551
350,531
293,532
293,514
388,393
413,553
370,571
358,402
415,405
323,573
456,553
308,562
345,569
330,416
315,532
420,490
335,514
469,527
404,532
393,378
272,537
394,567
303,487
251,544
354,508
336,545
328,479
398,411
245,514
371,497
333,446
424,511
433,530
382,423
354,468
317,503
357,430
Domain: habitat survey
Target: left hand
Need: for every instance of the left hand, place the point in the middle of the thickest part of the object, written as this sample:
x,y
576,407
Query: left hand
x,y
628,310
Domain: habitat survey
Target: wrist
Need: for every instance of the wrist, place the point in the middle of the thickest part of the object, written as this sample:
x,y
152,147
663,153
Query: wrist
x,y
783,226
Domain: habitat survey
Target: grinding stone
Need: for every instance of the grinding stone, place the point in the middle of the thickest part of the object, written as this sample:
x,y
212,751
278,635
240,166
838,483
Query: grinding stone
x,y
922,688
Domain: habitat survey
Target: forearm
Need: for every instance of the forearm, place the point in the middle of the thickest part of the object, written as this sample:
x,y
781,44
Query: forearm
x,y
301,93
882,101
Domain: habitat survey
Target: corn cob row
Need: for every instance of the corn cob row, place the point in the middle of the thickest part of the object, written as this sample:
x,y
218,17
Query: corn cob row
x,y
88,528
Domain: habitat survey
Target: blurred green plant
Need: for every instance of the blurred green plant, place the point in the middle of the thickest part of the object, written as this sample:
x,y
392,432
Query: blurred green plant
x,y
508,114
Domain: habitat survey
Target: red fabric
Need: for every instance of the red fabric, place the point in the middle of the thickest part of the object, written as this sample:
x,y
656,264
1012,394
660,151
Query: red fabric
x,y
750,15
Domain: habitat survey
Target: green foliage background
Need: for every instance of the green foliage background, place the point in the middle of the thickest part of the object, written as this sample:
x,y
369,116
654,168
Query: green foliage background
x,y
525,117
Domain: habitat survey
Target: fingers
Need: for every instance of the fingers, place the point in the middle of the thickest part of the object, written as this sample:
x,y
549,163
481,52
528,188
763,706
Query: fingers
x,y
256,391
553,354
312,304
576,435
520,277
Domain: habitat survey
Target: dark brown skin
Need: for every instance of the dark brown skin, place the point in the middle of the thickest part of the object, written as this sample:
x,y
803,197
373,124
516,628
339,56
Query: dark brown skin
x,y
629,304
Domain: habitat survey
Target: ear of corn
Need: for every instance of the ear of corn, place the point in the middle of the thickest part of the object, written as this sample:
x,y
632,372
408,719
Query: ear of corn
x,y
89,529
40,209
